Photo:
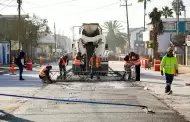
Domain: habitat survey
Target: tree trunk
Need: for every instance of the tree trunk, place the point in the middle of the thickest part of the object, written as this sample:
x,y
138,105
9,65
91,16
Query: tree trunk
x,y
155,45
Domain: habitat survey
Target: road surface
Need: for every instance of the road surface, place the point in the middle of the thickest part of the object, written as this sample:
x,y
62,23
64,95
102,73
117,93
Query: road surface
x,y
52,111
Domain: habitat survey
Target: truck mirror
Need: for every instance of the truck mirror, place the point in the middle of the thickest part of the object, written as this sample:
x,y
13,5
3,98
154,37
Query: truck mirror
x,y
106,46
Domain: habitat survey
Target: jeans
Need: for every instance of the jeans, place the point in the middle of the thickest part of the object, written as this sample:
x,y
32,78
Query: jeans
x,y
169,80
94,71
138,71
20,71
63,68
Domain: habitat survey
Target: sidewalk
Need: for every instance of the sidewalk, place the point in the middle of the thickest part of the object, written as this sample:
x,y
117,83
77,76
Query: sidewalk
x,y
4,69
179,100
155,83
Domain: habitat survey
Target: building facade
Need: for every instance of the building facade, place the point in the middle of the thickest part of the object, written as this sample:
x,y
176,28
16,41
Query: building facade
x,y
170,30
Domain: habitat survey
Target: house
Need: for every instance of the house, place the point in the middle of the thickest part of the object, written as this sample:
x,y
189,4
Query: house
x,y
170,30
136,40
6,46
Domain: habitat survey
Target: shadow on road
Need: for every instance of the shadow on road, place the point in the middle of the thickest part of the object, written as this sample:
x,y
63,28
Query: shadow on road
x,y
12,118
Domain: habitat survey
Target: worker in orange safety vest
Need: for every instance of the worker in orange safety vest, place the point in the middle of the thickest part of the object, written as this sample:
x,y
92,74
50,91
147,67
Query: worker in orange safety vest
x,y
77,62
135,58
44,75
62,65
94,65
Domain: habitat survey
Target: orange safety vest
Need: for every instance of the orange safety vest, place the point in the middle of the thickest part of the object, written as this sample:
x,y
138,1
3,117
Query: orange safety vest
x,y
97,62
77,62
128,62
42,73
138,62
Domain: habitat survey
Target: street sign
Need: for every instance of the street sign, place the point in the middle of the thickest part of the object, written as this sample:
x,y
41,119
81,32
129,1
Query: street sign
x,y
188,40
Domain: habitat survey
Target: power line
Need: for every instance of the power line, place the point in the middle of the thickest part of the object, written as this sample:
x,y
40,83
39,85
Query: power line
x,y
4,1
53,4
98,8
6,6
23,10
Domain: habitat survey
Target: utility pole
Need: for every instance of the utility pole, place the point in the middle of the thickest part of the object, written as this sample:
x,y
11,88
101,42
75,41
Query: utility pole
x,y
55,39
177,13
145,1
19,9
127,17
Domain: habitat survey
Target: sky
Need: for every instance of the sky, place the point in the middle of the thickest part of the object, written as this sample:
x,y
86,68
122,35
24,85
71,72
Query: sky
x,y
68,13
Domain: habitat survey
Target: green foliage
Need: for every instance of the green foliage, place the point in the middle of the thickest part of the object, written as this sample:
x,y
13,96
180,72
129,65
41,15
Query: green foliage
x,y
174,6
30,30
155,17
158,28
167,12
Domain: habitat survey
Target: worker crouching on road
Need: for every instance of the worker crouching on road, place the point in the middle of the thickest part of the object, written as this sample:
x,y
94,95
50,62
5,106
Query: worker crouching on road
x,y
95,66
62,65
78,62
135,58
44,74
168,65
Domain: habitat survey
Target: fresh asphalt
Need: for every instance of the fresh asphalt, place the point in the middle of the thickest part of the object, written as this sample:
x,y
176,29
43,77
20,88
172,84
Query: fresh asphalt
x,y
114,91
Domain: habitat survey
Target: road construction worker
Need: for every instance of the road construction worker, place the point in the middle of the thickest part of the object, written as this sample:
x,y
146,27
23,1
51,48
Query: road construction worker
x,y
44,74
62,65
83,62
168,66
135,58
127,67
94,65
20,61
77,62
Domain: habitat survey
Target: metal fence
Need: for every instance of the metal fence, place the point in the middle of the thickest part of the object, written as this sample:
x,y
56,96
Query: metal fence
x,y
180,59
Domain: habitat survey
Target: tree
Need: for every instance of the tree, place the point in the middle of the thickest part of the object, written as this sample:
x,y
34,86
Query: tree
x,y
121,40
179,40
167,12
112,27
30,31
158,29
174,6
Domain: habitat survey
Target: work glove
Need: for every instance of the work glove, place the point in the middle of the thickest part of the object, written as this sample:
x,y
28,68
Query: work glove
x,y
177,72
162,73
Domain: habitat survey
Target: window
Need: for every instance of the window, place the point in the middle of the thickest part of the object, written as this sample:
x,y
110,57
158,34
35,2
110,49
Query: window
x,y
187,25
169,26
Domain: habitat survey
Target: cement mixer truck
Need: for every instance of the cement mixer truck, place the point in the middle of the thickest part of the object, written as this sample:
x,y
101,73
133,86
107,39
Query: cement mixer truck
x,y
91,39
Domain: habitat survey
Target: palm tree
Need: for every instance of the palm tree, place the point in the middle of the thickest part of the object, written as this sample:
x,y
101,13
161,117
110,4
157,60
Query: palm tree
x,y
158,29
174,6
145,3
167,12
112,27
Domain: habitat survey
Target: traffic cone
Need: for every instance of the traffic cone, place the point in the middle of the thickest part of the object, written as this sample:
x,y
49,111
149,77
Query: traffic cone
x,y
13,67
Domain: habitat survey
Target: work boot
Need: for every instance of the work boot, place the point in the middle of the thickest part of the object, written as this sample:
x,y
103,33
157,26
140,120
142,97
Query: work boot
x,y
21,78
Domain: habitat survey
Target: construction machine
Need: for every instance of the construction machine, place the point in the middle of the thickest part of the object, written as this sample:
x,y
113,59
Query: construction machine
x,y
91,40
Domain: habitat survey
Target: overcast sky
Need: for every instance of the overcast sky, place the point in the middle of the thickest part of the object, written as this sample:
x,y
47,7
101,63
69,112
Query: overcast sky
x,y
68,13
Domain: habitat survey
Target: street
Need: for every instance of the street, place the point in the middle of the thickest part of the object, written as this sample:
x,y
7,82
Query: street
x,y
27,110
